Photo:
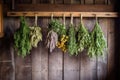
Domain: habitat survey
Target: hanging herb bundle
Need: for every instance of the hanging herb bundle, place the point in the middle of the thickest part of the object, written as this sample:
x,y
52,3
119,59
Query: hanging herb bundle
x,y
62,43
56,26
22,38
35,34
83,37
52,39
98,42
72,45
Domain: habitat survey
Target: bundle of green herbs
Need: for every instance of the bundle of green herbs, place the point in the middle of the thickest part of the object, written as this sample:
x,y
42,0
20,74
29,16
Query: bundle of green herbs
x,y
83,37
98,43
72,45
22,38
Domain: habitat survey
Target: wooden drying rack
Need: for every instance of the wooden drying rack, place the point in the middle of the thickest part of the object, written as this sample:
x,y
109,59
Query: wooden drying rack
x,y
60,14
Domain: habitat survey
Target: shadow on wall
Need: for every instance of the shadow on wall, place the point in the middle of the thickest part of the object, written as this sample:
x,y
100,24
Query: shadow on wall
x,y
10,26
117,40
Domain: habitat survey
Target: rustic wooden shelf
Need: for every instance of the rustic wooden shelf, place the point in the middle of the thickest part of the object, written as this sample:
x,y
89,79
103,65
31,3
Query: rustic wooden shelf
x,y
60,14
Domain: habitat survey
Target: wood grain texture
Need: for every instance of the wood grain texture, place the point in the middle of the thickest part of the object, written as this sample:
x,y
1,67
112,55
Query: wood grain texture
x,y
5,54
23,68
99,1
111,49
67,1
40,55
13,61
61,7
41,65
102,60
59,1
71,63
34,1
6,71
23,1
60,14
55,65
88,65
89,2
1,21
82,1
71,67
43,1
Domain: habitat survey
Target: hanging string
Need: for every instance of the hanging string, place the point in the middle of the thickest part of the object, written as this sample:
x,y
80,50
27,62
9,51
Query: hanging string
x,y
81,17
64,19
24,14
52,16
36,19
71,18
96,18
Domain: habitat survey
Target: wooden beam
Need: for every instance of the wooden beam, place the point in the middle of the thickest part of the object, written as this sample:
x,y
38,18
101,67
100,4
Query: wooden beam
x,y
13,4
61,7
1,21
67,14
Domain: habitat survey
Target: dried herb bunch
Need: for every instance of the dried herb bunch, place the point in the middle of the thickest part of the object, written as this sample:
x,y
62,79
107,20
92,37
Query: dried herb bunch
x,y
72,45
83,37
98,42
22,38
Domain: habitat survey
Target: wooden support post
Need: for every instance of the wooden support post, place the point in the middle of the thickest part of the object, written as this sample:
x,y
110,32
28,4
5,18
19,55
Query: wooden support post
x,y
13,4
1,21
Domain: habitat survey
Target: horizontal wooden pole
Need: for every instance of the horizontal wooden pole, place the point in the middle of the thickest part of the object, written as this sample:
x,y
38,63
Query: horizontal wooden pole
x,y
67,14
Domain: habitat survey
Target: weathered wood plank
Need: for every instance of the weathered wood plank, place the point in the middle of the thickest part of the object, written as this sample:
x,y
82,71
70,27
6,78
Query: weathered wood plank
x,y
40,55
6,71
55,65
60,8
76,2
111,2
59,2
36,63
102,60
82,1
9,26
1,20
71,63
43,1
34,1
44,51
23,68
111,49
88,65
13,61
71,67
99,1
5,53
89,2
23,1
67,1
50,7
51,1
13,4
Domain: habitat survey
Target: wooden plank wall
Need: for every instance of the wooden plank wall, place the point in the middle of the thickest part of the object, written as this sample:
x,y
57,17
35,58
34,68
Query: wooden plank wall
x,y
42,65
